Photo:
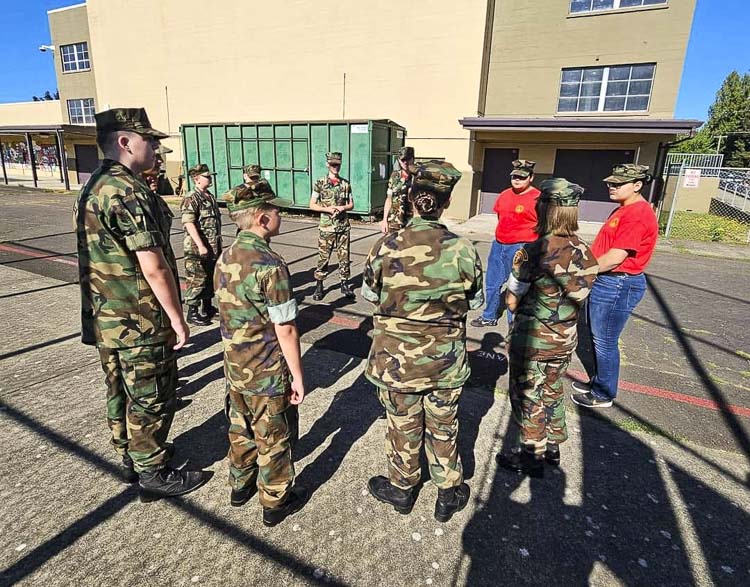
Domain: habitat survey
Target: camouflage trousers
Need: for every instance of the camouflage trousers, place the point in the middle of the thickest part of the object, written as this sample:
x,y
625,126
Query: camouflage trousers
x,y
141,399
327,242
417,418
262,430
199,279
537,399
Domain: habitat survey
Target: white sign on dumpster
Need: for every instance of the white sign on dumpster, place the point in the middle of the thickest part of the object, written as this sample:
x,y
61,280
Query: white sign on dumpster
x,y
692,178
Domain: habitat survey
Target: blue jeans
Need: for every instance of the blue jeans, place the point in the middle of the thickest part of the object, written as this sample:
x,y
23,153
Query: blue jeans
x,y
613,299
498,270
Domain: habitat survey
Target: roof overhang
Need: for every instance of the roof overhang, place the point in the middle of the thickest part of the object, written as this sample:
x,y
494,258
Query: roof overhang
x,y
582,124
75,129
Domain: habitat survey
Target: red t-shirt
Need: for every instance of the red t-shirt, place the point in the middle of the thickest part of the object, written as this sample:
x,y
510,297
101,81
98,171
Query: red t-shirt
x,y
516,216
633,228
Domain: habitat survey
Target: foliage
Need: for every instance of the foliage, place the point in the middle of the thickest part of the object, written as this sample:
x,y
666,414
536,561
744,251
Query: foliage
x,y
47,96
705,227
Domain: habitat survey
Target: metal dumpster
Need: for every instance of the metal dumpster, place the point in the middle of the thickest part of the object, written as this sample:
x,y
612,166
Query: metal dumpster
x,y
292,155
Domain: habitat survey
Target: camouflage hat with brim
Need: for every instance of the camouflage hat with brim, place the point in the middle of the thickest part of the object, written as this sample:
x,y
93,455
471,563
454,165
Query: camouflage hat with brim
x,y
438,177
162,150
406,153
627,172
252,170
333,157
522,168
127,119
558,191
252,196
199,169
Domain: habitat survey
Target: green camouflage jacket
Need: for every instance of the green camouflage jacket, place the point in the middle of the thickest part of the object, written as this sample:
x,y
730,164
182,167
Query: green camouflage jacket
x,y
202,210
423,280
552,277
254,290
333,195
116,215
398,189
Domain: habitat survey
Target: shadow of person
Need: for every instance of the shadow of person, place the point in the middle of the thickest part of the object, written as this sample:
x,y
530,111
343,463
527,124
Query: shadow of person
x,y
205,444
615,524
585,345
488,363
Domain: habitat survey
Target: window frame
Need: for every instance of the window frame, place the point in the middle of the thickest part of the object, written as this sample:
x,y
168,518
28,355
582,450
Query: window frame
x,y
85,106
616,5
603,85
81,57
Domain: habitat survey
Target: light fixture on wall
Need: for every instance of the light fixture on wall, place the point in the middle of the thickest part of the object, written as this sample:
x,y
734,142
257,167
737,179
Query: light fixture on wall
x,y
45,48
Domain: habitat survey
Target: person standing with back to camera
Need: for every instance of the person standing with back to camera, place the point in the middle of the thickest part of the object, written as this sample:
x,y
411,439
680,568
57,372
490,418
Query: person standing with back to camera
x,y
516,222
623,248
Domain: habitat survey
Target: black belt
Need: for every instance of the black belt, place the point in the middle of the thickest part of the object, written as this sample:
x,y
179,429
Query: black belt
x,y
622,273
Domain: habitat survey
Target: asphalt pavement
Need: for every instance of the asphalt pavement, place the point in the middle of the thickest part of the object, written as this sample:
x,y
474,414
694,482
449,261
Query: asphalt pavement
x,y
653,491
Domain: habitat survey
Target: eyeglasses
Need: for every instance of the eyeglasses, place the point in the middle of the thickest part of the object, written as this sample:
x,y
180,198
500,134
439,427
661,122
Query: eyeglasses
x,y
615,186
518,177
336,165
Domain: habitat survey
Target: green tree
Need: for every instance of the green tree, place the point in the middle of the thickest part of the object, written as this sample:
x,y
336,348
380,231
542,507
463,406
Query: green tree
x,y
728,124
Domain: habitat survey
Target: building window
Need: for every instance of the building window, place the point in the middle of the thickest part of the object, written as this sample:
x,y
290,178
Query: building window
x,y
618,88
81,111
596,5
75,57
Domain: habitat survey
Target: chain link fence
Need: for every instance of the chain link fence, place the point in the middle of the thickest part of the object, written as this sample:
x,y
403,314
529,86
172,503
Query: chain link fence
x,y
705,202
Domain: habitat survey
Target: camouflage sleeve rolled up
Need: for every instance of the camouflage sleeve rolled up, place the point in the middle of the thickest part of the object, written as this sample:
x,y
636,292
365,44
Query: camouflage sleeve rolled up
x,y
474,281
372,273
189,209
137,227
519,280
277,288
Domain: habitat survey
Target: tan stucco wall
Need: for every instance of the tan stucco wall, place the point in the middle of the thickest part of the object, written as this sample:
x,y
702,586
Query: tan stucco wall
x,y
28,113
697,199
417,67
533,41
70,26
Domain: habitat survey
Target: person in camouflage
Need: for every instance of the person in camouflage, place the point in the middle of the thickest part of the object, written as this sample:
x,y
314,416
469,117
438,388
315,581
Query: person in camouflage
x,y
262,364
251,175
397,209
155,175
201,220
423,279
332,197
549,282
130,302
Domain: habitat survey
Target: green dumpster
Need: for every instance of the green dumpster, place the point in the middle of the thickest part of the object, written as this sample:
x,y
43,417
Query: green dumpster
x,y
292,155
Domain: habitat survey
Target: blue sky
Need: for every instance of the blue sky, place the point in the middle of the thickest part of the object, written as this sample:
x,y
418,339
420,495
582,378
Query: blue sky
x,y
718,44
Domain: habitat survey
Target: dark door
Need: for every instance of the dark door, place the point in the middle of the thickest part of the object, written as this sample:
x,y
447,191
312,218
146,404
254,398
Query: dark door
x,y
587,168
495,176
87,160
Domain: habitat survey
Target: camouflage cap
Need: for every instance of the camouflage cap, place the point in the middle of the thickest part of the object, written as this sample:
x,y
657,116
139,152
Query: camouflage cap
x,y
252,170
523,167
438,177
130,119
333,157
199,169
162,150
559,191
252,196
627,172
406,153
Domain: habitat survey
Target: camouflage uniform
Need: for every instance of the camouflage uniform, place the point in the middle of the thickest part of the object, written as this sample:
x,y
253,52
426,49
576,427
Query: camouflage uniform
x,y
334,231
398,192
115,216
423,280
552,277
254,291
202,210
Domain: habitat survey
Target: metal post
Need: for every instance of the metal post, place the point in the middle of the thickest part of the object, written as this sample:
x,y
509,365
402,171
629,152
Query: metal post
x,y
2,159
63,159
674,202
343,101
59,156
32,159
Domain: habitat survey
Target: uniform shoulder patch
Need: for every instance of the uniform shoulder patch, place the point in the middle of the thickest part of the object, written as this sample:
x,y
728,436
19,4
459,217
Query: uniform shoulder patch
x,y
520,258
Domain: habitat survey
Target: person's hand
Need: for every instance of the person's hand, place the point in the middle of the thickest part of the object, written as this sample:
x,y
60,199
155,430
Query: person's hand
x,y
203,251
182,330
384,225
298,392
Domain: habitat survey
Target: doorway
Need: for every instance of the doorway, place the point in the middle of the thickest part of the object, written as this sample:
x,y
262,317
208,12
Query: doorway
x,y
495,176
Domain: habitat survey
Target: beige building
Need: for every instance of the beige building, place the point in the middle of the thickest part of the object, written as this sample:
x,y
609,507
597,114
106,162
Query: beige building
x,y
574,84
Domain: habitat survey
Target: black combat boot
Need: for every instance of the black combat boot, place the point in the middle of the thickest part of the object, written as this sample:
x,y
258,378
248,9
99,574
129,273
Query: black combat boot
x,y
450,501
168,482
240,497
381,489
523,463
125,470
209,311
552,454
293,504
196,318
347,290
318,294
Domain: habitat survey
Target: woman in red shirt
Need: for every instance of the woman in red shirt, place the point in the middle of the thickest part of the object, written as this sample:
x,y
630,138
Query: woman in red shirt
x,y
516,224
623,248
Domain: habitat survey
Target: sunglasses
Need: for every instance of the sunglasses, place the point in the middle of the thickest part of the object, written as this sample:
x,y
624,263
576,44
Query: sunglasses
x,y
617,185
520,177
336,165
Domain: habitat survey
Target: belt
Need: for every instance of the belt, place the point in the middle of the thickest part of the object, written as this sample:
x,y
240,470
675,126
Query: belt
x,y
622,274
